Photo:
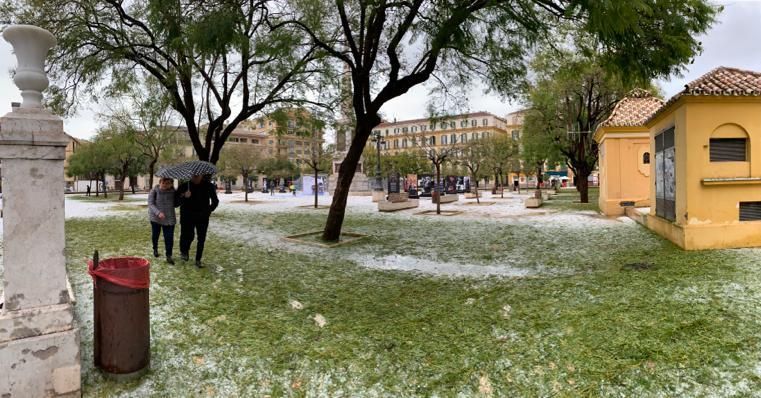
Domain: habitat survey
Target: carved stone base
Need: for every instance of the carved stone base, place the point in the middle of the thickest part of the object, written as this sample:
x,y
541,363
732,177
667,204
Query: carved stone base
x,y
39,353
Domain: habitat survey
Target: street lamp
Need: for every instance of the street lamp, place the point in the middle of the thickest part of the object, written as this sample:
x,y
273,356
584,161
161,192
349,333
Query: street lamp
x,y
378,140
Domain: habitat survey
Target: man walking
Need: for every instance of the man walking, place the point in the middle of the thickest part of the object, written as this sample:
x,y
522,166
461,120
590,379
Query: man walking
x,y
198,200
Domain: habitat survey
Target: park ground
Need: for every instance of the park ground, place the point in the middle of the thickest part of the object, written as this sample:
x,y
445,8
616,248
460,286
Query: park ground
x,y
496,301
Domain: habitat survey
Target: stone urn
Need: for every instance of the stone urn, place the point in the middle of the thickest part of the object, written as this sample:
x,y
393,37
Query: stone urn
x,y
31,45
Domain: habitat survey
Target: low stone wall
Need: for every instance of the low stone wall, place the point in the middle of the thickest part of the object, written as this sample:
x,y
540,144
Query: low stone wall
x,y
387,206
533,203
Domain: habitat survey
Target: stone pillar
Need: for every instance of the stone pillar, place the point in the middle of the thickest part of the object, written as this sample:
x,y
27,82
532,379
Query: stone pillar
x,y
39,340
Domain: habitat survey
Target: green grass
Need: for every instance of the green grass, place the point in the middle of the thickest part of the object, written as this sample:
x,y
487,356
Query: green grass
x,y
689,326
113,196
569,200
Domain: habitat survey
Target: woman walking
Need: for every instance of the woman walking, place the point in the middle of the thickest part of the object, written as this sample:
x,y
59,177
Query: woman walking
x,y
161,203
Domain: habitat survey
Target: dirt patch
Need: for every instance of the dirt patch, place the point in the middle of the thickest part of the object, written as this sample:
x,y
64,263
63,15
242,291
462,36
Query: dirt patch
x,y
482,203
443,213
313,238
250,202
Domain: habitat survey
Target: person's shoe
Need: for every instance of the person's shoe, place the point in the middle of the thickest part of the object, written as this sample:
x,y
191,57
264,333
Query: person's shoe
x,y
170,260
199,264
155,252
184,256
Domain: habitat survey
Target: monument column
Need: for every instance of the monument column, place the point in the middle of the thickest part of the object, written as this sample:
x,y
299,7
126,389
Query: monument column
x,y
39,341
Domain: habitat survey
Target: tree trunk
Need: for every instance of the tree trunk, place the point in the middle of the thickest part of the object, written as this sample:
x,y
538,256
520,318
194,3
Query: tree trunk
x,y
315,187
151,169
121,187
477,200
245,187
97,185
436,189
501,186
583,186
105,191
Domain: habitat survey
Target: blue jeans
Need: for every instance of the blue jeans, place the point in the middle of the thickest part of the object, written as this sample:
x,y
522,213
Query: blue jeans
x,y
168,230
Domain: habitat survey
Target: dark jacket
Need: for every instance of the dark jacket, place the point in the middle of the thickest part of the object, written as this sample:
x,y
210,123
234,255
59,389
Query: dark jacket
x,y
202,201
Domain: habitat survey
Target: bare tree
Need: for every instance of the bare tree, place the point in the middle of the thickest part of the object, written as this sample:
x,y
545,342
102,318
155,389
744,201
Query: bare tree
x,y
437,155
240,159
146,110
473,157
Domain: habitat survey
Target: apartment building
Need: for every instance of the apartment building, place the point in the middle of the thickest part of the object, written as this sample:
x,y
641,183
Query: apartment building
x,y
400,136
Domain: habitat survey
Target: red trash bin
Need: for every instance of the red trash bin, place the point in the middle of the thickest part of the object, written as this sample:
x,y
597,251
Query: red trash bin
x,y
122,346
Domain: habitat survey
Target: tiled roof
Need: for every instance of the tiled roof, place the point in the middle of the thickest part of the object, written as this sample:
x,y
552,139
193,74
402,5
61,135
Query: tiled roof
x,y
633,110
722,81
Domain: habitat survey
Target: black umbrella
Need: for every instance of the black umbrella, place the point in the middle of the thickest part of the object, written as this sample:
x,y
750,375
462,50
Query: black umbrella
x,y
184,171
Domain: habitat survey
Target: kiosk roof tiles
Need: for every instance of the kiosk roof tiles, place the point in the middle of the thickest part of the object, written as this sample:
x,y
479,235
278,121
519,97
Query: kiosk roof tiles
x,y
633,110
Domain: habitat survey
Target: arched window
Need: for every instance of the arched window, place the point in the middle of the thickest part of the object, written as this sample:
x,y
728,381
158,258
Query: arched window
x,y
463,138
396,143
443,140
453,139
729,143
404,143
646,158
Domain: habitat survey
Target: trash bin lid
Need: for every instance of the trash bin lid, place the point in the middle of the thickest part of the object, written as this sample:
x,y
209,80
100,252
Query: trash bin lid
x,y
132,272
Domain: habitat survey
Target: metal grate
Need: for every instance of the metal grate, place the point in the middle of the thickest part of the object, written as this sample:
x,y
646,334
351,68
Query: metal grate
x,y
728,149
750,211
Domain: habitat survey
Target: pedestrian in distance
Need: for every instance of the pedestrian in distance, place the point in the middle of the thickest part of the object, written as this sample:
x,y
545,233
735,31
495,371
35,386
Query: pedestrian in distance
x,y
88,191
198,199
162,200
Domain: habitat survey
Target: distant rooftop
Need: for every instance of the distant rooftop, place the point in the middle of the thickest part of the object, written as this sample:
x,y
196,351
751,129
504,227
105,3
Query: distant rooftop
x,y
447,117
633,110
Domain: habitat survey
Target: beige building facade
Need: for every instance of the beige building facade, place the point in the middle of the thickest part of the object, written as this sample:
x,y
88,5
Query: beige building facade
x,y
624,158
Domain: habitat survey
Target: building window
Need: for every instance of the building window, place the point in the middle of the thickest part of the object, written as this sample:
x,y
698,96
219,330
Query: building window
x,y
443,126
386,132
474,136
404,129
261,124
463,138
443,140
516,134
485,122
244,140
646,158
433,140
473,123
253,141
423,127
464,123
414,129
453,139
452,124
728,149
750,211
404,143
433,127
396,143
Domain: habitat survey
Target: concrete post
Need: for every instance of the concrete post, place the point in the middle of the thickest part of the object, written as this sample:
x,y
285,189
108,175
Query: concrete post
x,y
39,341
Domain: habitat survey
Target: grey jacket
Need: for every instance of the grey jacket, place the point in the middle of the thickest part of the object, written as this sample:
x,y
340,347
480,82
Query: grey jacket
x,y
163,201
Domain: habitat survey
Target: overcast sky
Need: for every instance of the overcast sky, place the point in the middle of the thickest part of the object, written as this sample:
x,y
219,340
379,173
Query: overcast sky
x,y
735,41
